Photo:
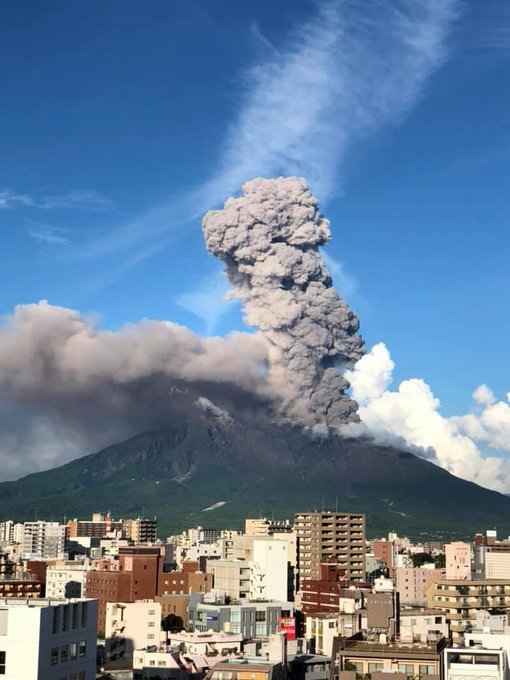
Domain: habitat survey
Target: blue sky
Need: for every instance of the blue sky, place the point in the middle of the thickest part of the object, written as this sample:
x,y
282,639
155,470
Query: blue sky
x,y
121,123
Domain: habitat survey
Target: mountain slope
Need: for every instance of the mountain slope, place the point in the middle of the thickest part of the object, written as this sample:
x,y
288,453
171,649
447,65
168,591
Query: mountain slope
x,y
200,462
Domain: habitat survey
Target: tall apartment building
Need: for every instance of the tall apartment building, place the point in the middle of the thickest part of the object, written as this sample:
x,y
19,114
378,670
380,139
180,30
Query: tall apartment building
x,y
48,639
322,535
458,560
141,530
44,539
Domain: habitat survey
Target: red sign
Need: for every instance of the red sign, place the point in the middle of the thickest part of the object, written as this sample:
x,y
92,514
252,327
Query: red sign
x,y
288,626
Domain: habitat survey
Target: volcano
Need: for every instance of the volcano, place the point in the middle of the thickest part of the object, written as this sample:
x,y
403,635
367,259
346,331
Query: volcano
x,y
213,470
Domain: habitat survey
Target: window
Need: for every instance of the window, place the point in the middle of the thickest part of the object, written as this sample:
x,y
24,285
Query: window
x,y
2,663
54,656
74,650
72,676
150,636
260,616
427,670
162,663
66,618
84,608
56,611
75,615
152,663
406,668
152,612
64,653
81,675
83,647
373,667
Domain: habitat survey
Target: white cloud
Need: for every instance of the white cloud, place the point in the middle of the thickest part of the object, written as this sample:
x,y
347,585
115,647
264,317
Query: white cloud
x,y
411,412
352,68
10,199
49,236
87,199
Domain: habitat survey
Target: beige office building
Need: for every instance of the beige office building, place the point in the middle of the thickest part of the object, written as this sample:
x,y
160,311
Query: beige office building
x,y
322,535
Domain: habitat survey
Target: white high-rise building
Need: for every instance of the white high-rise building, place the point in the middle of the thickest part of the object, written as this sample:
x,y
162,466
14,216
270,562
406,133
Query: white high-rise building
x,y
44,539
269,570
44,639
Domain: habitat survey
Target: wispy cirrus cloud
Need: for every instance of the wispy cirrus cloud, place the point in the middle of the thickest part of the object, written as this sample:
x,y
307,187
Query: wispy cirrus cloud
x,y
86,199
49,236
11,199
352,68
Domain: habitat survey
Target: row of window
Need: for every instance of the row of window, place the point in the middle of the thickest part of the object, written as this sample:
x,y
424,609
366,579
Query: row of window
x,y
74,676
70,615
68,652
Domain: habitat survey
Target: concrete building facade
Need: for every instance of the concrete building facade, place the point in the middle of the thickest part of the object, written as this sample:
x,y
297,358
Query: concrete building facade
x,y
48,639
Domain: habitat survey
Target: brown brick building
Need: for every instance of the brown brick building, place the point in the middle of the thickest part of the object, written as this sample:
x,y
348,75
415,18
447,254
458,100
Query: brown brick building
x,y
189,580
135,579
323,595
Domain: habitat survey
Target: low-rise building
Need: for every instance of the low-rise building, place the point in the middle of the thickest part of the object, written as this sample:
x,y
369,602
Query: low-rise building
x,y
378,658
66,578
475,664
412,583
208,644
48,639
251,619
130,626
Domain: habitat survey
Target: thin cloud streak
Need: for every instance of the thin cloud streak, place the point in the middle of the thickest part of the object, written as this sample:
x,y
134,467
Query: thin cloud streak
x,y
351,69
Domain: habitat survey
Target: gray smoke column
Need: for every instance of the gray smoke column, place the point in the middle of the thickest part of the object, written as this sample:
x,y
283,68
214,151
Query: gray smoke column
x,y
269,239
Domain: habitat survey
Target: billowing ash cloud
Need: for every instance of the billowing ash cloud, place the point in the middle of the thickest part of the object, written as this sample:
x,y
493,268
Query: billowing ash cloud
x,y
269,239
68,388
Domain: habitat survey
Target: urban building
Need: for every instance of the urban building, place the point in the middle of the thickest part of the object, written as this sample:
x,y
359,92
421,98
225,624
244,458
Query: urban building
x,y
231,578
189,580
66,578
270,571
386,552
208,644
140,530
324,594
163,663
324,535
461,600
250,619
100,525
412,583
247,669
44,539
321,629
497,564
134,576
463,663
48,639
174,611
458,560
130,626
378,658
25,587
418,625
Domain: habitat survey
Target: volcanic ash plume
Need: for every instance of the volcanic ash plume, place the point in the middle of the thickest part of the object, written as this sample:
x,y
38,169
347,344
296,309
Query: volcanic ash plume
x,y
269,239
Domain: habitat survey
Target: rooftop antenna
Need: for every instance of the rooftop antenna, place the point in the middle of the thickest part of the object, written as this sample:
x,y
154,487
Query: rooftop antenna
x,y
323,504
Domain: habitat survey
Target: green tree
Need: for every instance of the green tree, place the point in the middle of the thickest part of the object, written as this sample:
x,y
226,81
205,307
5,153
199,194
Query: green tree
x,y
421,558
